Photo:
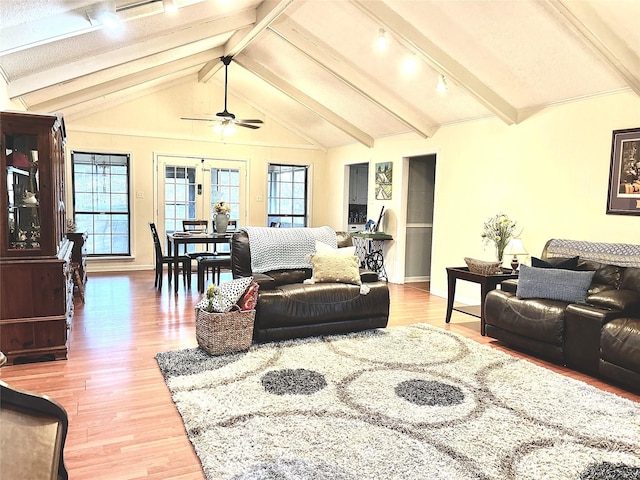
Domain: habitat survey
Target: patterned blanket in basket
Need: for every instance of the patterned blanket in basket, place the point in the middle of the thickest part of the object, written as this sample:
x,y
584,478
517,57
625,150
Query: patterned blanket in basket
x,y
286,248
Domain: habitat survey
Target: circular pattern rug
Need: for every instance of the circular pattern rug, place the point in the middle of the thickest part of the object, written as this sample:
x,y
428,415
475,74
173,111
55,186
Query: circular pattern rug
x,y
414,402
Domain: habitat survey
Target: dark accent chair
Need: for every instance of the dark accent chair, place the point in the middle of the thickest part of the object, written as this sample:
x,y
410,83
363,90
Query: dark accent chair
x,y
289,308
32,435
161,259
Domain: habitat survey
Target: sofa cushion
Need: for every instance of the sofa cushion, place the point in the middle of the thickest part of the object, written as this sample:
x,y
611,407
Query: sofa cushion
x,y
620,343
553,284
627,301
536,319
631,279
555,262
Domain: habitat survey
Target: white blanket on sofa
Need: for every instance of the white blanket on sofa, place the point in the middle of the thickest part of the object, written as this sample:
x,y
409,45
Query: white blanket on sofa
x,y
285,248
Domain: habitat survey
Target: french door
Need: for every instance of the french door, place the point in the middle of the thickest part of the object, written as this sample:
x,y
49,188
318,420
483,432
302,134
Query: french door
x,y
188,187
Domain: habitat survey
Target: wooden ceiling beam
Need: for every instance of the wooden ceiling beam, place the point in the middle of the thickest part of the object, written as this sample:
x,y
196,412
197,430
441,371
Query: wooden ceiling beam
x,y
130,53
580,18
344,70
266,13
415,41
304,100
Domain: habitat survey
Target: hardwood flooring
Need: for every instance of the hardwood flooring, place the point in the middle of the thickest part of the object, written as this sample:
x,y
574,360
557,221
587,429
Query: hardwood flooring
x,y
122,422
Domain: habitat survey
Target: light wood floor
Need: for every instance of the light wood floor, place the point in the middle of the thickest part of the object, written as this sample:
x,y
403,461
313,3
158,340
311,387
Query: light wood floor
x,y
122,422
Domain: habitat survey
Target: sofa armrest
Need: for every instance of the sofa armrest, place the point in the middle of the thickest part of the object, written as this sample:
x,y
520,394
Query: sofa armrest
x,y
583,324
510,285
627,301
367,276
264,281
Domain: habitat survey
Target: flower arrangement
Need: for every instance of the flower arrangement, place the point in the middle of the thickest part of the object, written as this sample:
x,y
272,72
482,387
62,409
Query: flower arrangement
x,y
206,303
221,207
499,229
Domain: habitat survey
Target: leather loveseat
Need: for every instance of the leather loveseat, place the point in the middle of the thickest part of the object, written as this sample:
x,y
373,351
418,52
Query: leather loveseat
x,y
600,335
288,308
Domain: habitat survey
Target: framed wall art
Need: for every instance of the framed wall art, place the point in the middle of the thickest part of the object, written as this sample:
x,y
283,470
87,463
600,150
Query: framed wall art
x,y
384,180
624,173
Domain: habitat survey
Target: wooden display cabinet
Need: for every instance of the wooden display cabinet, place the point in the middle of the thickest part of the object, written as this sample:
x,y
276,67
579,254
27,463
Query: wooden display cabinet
x,y
36,286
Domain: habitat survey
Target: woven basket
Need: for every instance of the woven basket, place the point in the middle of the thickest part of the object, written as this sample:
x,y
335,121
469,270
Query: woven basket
x,y
482,267
219,333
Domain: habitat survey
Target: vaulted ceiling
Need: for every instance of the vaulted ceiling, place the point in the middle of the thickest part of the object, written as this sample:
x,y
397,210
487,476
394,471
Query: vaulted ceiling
x,y
313,65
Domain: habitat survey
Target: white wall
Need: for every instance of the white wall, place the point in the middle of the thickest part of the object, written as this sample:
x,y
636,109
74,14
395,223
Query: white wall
x,y
151,125
549,172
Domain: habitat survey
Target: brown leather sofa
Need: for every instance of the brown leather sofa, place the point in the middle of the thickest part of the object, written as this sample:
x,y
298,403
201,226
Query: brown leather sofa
x,y
600,336
288,308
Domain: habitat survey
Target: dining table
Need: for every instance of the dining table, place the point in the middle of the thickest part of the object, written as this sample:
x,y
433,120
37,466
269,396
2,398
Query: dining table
x,y
175,239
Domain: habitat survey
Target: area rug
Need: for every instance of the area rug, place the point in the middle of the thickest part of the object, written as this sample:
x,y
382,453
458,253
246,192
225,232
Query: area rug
x,y
413,402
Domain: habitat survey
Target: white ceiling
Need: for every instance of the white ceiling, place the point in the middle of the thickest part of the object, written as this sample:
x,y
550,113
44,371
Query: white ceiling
x,y
312,65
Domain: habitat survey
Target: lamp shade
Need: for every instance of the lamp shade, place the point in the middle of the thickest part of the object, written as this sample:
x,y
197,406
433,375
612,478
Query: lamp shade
x,y
515,247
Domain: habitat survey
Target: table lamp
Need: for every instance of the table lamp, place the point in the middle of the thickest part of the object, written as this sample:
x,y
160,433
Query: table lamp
x,y
515,248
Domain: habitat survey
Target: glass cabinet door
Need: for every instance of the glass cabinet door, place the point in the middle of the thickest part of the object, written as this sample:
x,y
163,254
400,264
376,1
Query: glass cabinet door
x,y
23,208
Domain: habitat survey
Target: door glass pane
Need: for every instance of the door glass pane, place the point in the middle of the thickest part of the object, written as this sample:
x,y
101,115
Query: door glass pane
x,y
179,196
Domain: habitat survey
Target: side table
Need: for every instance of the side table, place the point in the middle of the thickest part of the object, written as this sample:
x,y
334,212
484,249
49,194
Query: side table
x,y
369,250
487,283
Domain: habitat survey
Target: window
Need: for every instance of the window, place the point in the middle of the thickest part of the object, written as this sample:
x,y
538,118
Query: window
x,y
287,202
101,201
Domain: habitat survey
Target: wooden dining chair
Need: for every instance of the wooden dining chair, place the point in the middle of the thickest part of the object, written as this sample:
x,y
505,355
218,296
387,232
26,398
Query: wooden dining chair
x,y
161,260
196,226
214,264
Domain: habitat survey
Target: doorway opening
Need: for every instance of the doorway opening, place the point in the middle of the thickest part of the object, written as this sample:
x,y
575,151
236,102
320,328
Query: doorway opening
x,y
358,196
419,221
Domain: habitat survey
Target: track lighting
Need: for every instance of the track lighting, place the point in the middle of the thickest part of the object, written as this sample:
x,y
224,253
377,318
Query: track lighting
x,y
382,42
410,64
106,18
170,6
442,85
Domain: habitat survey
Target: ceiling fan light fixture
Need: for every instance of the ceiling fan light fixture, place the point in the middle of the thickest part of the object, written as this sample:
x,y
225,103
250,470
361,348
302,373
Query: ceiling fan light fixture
x,y
228,129
442,86
382,42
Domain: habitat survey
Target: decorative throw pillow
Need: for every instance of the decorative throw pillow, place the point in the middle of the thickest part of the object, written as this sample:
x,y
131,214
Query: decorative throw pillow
x,y
558,262
322,247
335,267
249,299
553,284
226,296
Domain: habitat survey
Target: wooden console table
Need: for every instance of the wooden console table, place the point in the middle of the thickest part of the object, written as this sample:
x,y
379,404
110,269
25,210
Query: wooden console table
x,y
487,283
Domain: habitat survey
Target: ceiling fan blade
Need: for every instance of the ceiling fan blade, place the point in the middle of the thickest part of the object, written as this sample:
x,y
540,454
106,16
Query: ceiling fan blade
x,y
253,120
247,125
200,119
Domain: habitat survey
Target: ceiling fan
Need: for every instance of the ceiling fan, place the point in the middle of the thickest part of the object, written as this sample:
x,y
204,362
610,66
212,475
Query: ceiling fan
x,y
227,120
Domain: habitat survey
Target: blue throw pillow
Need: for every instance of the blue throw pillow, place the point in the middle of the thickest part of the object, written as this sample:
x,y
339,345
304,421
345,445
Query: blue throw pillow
x,y
553,284
557,262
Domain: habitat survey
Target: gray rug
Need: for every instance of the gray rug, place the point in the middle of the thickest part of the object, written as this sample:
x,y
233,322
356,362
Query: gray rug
x,y
411,402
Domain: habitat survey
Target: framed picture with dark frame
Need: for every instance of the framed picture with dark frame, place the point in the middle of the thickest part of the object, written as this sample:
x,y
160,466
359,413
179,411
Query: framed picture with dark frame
x,y
624,173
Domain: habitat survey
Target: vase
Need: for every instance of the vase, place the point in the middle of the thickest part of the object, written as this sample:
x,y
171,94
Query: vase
x,y
221,221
